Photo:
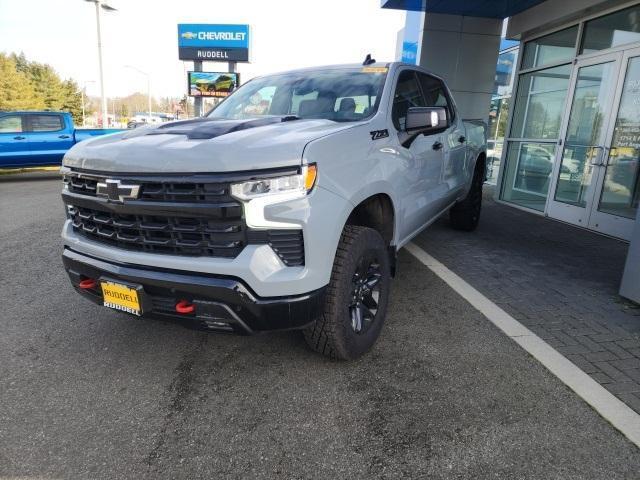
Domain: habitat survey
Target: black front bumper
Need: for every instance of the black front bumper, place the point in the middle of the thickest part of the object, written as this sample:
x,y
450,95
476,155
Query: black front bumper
x,y
222,304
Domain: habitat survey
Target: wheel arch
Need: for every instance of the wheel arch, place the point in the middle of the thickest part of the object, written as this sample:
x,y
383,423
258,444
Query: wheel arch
x,y
378,213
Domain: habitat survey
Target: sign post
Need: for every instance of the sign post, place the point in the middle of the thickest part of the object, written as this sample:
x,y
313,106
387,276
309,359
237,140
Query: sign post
x,y
197,101
213,43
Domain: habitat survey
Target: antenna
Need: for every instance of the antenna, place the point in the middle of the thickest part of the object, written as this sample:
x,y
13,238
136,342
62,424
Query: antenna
x,y
368,60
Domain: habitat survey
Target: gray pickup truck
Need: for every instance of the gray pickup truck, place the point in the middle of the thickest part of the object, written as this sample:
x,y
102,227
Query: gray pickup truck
x,y
282,208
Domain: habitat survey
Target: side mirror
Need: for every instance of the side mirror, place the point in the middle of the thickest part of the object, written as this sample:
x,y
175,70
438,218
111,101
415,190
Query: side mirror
x,y
425,119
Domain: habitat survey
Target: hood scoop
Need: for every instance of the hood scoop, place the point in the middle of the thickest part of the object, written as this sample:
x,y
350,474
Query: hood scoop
x,y
207,128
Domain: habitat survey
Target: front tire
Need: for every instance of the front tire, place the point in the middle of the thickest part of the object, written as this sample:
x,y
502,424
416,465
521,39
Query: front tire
x,y
357,297
465,214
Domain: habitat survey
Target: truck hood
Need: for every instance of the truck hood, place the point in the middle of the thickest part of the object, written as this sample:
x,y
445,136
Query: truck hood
x,y
203,145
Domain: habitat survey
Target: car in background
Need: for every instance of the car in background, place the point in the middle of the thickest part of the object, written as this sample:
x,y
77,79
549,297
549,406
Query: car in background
x,y
224,83
39,138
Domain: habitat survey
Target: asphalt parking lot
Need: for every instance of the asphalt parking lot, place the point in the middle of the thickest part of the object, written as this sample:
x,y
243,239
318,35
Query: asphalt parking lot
x,y
89,393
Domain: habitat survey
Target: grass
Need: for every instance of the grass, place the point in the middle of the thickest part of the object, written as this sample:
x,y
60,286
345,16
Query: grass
x,y
12,171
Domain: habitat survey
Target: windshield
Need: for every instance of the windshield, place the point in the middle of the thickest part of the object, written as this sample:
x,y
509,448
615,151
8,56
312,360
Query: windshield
x,y
345,95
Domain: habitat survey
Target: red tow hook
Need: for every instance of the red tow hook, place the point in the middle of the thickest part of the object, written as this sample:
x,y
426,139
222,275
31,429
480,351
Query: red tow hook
x,y
88,284
184,306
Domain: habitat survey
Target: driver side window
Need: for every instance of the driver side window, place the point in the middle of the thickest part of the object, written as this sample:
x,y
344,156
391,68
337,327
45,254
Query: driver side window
x,y
407,95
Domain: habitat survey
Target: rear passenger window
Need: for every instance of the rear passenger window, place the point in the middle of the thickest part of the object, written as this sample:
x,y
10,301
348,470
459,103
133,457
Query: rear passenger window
x,y
434,92
407,95
45,123
11,124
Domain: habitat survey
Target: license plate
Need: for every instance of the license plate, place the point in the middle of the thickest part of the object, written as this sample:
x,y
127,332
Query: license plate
x,y
121,297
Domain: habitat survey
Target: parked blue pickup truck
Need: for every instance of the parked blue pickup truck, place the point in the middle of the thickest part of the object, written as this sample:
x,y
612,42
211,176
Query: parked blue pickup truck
x,y
37,139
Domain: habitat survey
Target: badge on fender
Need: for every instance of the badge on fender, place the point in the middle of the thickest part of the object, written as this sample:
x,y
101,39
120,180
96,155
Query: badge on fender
x,y
377,134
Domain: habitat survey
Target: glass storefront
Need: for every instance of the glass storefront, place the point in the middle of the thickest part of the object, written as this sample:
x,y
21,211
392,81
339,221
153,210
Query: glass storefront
x,y
573,146
499,110
540,101
621,188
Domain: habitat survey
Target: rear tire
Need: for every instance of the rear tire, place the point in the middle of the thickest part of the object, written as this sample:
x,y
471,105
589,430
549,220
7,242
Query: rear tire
x,y
356,299
465,214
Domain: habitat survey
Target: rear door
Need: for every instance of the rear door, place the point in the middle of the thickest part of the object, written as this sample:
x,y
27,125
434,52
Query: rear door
x,y
49,137
455,174
14,146
421,188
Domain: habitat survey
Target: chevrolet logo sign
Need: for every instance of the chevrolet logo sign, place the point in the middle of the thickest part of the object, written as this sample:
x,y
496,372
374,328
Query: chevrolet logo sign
x,y
115,191
189,35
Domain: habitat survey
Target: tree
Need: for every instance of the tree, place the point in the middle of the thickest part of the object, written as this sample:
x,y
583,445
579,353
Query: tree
x,y
72,100
16,89
40,82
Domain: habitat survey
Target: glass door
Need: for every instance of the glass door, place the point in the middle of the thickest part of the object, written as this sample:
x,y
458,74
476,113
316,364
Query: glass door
x,y
582,150
618,185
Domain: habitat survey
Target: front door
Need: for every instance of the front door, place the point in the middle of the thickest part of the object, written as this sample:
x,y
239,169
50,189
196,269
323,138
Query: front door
x,y
596,173
618,188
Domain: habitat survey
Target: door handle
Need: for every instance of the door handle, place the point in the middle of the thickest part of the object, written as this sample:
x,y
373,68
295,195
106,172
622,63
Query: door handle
x,y
462,139
63,136
437,146
598,156
19,137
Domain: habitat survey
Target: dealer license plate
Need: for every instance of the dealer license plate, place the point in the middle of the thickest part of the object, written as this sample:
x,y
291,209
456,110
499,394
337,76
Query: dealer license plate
x,y
121,297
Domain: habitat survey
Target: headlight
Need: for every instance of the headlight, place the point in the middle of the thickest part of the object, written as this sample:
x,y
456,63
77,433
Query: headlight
x,y
291,186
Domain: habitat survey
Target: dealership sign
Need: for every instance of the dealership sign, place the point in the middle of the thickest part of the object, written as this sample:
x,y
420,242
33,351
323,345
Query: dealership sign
x,y
213,43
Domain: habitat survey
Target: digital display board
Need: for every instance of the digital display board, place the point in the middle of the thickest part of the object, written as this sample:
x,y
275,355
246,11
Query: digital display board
x,y
212,84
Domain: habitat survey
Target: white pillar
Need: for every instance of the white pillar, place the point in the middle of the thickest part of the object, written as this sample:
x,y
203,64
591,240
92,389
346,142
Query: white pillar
x,y
463,51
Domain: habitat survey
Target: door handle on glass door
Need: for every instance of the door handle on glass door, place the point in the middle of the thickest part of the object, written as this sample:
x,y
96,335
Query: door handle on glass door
x,y
598,156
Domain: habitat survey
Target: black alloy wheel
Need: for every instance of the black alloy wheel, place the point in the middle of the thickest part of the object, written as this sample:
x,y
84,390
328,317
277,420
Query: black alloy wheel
x,y
365,294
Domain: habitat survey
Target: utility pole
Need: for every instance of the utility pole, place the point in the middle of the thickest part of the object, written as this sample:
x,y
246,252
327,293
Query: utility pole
x,y
101,5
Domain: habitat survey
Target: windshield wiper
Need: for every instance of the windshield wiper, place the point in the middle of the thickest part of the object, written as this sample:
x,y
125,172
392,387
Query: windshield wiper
x,y
289,118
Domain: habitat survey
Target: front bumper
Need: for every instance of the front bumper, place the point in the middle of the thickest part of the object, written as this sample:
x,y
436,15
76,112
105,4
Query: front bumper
x,y
222,303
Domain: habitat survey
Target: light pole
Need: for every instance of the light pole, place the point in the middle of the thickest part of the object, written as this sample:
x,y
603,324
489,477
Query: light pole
x,y
148,85
101,5
83,92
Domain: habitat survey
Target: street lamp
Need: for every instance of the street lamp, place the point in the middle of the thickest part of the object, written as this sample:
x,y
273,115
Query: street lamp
x,y
83,92
148,85
101,5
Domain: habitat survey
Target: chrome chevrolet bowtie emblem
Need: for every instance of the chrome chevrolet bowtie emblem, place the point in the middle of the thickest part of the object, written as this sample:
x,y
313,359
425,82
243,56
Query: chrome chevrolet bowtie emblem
x,y
115,191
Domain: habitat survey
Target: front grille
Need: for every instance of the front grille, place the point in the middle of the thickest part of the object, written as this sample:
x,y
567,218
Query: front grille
x,y
173,216
161,234
192,192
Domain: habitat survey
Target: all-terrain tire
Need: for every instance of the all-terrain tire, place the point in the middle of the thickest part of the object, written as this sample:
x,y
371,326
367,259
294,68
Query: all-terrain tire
x,y
465,214
334,334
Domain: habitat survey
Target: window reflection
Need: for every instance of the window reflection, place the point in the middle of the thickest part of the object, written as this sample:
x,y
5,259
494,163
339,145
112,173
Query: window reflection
x,y
612,30
556,47
540,103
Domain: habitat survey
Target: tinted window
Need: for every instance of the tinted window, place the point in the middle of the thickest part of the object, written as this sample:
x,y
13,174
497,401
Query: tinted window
x,y
325,94
434,92
45,123
407,95
11,124
612,30
552,48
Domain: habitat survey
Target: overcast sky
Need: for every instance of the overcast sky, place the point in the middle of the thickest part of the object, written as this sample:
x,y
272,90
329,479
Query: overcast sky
x,y
143,33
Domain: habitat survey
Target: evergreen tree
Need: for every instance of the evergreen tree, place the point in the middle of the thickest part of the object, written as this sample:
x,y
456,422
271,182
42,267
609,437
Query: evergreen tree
x,y
16,90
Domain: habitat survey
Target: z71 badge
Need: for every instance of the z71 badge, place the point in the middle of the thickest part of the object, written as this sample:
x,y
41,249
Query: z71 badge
x,y
377,134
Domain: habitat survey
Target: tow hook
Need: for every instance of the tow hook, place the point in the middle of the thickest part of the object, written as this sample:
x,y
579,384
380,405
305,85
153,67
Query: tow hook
x,y
88,284
185,307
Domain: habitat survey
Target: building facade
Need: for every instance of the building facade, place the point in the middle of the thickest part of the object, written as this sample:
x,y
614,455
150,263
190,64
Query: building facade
x,y
563,110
